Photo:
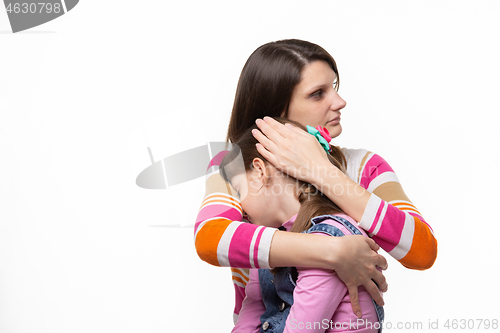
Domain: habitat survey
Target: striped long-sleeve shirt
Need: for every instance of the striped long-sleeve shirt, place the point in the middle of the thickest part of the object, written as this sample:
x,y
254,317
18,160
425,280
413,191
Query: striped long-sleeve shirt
x,y
222,239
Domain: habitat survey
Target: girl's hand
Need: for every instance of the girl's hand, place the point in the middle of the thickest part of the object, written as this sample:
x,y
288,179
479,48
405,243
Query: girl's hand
x,y
356,265
290,149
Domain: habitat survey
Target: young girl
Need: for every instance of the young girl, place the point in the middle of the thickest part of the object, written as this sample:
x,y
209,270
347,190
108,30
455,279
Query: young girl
x,y
290,299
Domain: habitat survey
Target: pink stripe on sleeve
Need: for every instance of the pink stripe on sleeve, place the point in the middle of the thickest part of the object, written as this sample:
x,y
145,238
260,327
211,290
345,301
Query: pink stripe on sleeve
x,y
377,217
239,249
375,166
390,231
218,210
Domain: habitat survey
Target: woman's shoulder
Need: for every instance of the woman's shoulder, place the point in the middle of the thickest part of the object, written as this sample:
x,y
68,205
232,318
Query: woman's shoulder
x,y
361,161
357,156
355,159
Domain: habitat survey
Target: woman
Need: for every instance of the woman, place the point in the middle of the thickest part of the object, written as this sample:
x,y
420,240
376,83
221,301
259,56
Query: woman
x,y
299,80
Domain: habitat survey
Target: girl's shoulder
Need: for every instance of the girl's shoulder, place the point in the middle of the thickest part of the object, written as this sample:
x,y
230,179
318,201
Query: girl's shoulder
x,y
341,221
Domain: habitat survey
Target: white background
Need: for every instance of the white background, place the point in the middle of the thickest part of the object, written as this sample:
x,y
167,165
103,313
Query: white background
x,y
83,249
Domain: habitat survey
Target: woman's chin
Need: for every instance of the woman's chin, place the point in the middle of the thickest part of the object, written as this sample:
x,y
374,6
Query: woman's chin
x,y
335,130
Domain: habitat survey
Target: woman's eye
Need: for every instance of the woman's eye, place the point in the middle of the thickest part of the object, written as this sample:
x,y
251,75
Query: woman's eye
x,y
317,94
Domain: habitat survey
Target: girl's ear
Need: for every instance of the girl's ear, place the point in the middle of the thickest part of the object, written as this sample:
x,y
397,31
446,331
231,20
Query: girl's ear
x,y
259,167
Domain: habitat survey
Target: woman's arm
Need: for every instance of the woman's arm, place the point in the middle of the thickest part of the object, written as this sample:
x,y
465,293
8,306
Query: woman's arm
x,y
253,307
391,218
394,224
222,240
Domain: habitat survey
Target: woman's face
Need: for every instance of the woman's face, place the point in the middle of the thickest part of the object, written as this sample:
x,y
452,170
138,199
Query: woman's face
x,y
315,101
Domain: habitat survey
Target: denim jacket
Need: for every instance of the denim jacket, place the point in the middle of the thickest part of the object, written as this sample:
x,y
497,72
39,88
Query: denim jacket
x,y
277,290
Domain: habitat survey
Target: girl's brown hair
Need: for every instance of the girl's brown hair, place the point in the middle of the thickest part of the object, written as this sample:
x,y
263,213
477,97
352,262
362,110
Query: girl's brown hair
x,y
312,201
267,81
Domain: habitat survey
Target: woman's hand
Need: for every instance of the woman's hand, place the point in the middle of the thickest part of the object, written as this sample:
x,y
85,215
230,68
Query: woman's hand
x,y
353,258
355,262
290,149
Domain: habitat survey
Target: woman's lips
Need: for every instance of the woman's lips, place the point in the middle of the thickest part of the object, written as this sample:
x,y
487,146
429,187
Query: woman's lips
x,y
334,121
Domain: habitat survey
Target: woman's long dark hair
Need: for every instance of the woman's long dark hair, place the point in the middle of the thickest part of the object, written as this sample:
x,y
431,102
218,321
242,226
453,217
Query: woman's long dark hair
x,y
312,201
267,81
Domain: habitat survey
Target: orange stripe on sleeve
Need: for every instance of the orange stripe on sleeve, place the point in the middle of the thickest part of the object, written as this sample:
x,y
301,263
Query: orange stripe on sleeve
x,y
207,240
240,280
241,272
423,251
213,200
406,207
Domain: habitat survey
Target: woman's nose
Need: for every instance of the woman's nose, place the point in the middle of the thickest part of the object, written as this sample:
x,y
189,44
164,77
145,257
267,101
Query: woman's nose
x,y
337,102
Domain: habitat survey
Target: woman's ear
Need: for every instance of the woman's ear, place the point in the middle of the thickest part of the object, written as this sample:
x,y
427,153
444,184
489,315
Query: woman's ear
x,y
259,167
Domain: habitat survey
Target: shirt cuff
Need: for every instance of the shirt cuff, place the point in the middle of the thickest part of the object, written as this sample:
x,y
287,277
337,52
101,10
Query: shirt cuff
x,y
264,247
372,214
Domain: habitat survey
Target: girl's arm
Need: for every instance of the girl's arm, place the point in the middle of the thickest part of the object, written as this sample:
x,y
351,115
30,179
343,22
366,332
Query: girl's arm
x,y
319,294
315,298
386,213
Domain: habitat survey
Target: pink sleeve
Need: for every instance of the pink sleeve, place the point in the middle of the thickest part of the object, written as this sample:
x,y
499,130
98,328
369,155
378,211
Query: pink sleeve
x,y
315,298
253,307
317,294
321,298
391,218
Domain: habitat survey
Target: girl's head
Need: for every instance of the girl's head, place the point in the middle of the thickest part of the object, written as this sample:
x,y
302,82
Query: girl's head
x,y
268,196
290,78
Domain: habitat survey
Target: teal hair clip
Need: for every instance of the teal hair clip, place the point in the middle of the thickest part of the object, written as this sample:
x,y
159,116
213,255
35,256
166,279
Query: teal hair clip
x,y
322,135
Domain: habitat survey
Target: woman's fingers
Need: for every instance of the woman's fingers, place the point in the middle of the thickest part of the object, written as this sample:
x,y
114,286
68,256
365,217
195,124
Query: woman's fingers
x,y
381,261
264,140
274,133
379,279
374,246
356,265
267,155
374,291
354,297
292,149
296,129
274,127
